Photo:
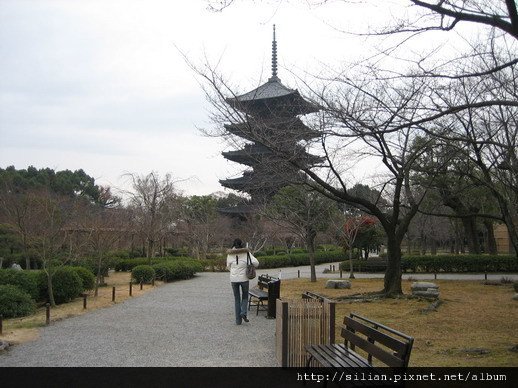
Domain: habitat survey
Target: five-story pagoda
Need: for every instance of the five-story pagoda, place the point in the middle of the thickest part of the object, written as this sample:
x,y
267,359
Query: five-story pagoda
x,y
269,123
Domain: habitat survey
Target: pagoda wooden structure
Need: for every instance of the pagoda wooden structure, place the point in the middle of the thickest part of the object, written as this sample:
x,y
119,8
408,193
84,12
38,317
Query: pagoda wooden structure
x,y
271,127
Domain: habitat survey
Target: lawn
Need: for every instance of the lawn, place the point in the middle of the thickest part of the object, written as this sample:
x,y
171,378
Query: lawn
x,y
476,325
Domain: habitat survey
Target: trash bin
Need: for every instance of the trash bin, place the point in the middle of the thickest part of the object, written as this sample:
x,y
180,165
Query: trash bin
x,y
300,323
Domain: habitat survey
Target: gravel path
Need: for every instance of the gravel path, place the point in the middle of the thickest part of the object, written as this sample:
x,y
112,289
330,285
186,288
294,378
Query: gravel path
x,y
185,323
181,324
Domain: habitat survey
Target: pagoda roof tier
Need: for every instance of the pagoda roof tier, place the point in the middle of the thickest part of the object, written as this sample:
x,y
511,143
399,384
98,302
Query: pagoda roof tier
x,y
272,97
253,182
255,154
268,128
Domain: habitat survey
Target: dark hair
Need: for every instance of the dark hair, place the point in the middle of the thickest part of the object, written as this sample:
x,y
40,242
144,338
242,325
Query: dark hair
x,y
237,243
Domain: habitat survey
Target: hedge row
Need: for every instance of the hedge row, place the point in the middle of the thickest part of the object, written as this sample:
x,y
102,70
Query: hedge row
x,y
166,271
128,264
460,263
21,289
14,302
177,270
441,263
298,259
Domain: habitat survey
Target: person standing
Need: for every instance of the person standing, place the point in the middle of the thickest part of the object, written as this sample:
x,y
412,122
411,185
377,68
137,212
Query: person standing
x,y
237,259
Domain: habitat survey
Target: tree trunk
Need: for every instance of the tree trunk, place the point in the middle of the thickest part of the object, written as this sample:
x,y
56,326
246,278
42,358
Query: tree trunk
x,y
433,246
150,250
310,242
50,288
99,276
490,238
471,233
351,269
392,281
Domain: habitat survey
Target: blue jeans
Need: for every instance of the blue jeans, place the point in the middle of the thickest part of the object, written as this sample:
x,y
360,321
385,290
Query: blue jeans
x,y
240,301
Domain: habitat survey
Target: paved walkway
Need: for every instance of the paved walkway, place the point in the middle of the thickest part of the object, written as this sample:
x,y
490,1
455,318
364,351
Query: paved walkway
x,y
185,323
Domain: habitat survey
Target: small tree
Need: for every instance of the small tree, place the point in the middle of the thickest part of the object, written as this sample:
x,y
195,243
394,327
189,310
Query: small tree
x,y
304,213
350,231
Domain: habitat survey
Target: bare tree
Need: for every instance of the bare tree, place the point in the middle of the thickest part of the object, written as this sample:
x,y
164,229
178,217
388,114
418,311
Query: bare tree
x,y
155,206
203,226
102,229
302,212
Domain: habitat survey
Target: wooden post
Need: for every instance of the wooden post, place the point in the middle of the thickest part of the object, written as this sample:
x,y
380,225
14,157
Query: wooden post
x,y
284,330
330,267
332,318
131,289
485,276
84,301
113,294
435,275
341,273
298,273
47,314
141,286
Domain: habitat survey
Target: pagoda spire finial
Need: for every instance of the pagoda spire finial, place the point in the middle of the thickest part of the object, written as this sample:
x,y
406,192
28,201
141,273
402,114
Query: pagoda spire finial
x,y
274,58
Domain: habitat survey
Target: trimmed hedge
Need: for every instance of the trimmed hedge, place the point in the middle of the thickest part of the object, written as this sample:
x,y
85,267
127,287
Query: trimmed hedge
x,y
87,277
460,263
298,259
25,280
15,302
370,265
143,273
66,285
128,264
441,263
177,270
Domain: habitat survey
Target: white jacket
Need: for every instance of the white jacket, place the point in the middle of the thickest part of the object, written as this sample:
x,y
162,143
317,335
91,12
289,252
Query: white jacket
x,y
236,263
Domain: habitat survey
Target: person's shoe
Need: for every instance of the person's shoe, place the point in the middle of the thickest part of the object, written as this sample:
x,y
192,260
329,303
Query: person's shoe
x,y
245,318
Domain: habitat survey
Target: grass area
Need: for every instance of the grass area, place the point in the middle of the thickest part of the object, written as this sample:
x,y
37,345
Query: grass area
x,y
19,330
473,316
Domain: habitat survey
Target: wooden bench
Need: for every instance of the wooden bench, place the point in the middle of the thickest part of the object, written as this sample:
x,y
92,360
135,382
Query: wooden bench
x,y
268,289
313,295
390,347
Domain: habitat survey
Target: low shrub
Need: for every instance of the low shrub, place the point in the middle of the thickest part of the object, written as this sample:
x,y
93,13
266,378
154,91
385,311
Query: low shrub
x,y
298,259
143,273
129,264
87,277
22,279
441,263
371,265
177,270
460,263
66,285
15,302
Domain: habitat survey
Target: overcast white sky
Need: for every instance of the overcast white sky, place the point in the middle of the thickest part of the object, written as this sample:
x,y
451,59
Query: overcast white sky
x,y
99,85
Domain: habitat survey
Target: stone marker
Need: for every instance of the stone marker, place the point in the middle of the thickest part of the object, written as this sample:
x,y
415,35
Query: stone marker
x,y
423,286
342,284
425,290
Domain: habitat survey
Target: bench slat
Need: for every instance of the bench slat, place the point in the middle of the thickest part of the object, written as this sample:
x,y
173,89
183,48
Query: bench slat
x,y
371,348
390,342
258,293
